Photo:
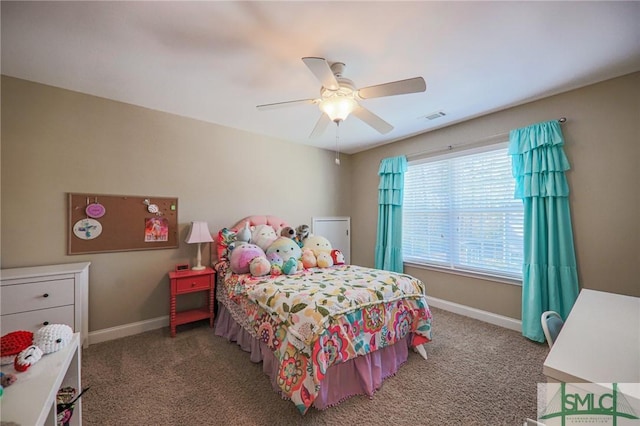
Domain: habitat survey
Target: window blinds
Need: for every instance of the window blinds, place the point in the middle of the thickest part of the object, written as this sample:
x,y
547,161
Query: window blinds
x,y
460,213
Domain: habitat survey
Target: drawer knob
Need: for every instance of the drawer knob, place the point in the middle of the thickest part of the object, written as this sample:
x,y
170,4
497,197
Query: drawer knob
x,y
45,295
45,323
193,284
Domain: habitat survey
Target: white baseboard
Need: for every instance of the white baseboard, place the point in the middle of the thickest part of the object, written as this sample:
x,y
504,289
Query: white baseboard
x,y
128,329
467,311
155,323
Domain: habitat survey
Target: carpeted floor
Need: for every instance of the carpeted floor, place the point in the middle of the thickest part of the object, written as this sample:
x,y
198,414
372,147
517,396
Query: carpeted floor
x,y
477,374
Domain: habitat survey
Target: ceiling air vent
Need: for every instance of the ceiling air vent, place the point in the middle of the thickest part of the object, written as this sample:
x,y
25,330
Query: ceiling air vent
x,y
435,115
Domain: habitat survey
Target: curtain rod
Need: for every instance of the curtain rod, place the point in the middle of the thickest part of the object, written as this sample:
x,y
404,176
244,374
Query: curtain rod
x,y
479,142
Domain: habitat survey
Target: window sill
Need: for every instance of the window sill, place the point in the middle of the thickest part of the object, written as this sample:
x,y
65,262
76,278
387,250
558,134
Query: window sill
x,y
478,275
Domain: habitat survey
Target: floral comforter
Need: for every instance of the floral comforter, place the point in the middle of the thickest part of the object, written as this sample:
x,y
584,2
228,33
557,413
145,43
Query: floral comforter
x,y
324,316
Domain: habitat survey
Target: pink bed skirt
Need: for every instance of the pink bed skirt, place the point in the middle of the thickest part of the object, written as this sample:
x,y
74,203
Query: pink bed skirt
x,y
359,376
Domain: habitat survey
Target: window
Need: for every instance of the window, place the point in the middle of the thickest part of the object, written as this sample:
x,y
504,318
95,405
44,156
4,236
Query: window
x,y
459,213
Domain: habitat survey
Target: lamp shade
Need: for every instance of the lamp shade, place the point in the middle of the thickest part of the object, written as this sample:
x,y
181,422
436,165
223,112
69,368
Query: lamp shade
x,y
338,108
199,233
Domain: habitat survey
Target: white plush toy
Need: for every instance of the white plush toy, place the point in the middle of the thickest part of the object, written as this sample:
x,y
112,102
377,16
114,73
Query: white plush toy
x,y
263,236
317,244
48,339
324,260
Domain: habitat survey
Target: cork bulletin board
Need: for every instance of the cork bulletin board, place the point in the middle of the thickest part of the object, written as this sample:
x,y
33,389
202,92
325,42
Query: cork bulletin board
x,y
100,223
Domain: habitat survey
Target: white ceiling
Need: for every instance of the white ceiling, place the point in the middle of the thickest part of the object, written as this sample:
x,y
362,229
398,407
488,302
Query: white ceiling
x,y
215,61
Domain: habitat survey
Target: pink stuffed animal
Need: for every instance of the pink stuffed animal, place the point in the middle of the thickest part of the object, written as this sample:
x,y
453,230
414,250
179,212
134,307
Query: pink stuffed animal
x,y
309,259
241,257
259,266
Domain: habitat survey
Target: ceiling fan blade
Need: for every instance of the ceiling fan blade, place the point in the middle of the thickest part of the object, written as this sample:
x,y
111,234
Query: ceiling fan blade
x,y
400,87
321,69
372,120
286,104
321,126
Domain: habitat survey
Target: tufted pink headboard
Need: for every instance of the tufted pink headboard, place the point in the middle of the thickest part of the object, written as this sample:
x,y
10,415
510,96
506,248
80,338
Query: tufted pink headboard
x,y
254,220
275,222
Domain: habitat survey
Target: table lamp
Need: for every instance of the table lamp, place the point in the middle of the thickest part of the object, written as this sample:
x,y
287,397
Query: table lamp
x,y
199,233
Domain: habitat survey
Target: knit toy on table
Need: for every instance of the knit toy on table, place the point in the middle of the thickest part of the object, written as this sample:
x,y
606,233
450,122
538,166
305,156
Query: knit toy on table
x,y
11,344
25,352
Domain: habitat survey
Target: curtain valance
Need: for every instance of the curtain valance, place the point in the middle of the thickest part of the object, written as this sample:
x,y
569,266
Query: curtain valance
x,y
539,161
391,186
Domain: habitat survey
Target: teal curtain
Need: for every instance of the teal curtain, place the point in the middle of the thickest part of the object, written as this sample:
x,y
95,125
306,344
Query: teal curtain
x,y
390,194
549,273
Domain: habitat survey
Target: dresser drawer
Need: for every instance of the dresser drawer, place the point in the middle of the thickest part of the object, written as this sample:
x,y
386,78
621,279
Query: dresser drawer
x,y
38,295
187,284
34,320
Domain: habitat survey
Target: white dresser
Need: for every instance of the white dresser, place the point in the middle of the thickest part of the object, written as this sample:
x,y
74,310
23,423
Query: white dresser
x,y
33,297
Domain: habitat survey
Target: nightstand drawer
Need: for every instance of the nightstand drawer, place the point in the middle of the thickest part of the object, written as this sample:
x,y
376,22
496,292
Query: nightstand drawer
x,y
34,320
38,295
187,284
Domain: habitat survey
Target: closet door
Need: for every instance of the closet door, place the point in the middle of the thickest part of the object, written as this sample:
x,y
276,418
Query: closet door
x,y
337,230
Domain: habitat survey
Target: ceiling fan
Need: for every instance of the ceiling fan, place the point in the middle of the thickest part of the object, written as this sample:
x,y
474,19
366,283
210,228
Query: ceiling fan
x,y
339,96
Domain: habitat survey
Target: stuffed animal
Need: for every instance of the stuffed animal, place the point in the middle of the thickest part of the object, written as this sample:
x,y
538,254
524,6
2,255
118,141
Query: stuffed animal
x,y
11,344
263,236
276,269
324,260
48,339
309,259
233,245
285,248
288,232
27,358
53,337
274,258
337,256
290,266
259,266
6,380
244,234
302,233
242,255
276,263
318,244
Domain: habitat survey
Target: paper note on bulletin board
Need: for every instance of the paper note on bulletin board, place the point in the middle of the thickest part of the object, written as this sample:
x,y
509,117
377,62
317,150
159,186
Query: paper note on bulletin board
x,y
101,223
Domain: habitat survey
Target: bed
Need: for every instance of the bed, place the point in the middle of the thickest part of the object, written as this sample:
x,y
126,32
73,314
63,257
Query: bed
x,y
322,334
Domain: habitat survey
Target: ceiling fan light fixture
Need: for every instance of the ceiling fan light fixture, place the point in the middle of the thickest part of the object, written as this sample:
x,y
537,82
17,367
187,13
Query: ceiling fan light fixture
x,y
339,96
338,108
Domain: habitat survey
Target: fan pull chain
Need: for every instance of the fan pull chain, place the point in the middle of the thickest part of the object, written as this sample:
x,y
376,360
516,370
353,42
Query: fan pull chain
x,y
337,160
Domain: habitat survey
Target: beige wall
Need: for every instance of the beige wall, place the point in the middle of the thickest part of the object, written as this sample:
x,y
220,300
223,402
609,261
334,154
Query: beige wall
x,y
603,145
56,141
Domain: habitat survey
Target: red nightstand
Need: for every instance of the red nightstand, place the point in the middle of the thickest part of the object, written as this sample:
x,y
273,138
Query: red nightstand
x,y
191,281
